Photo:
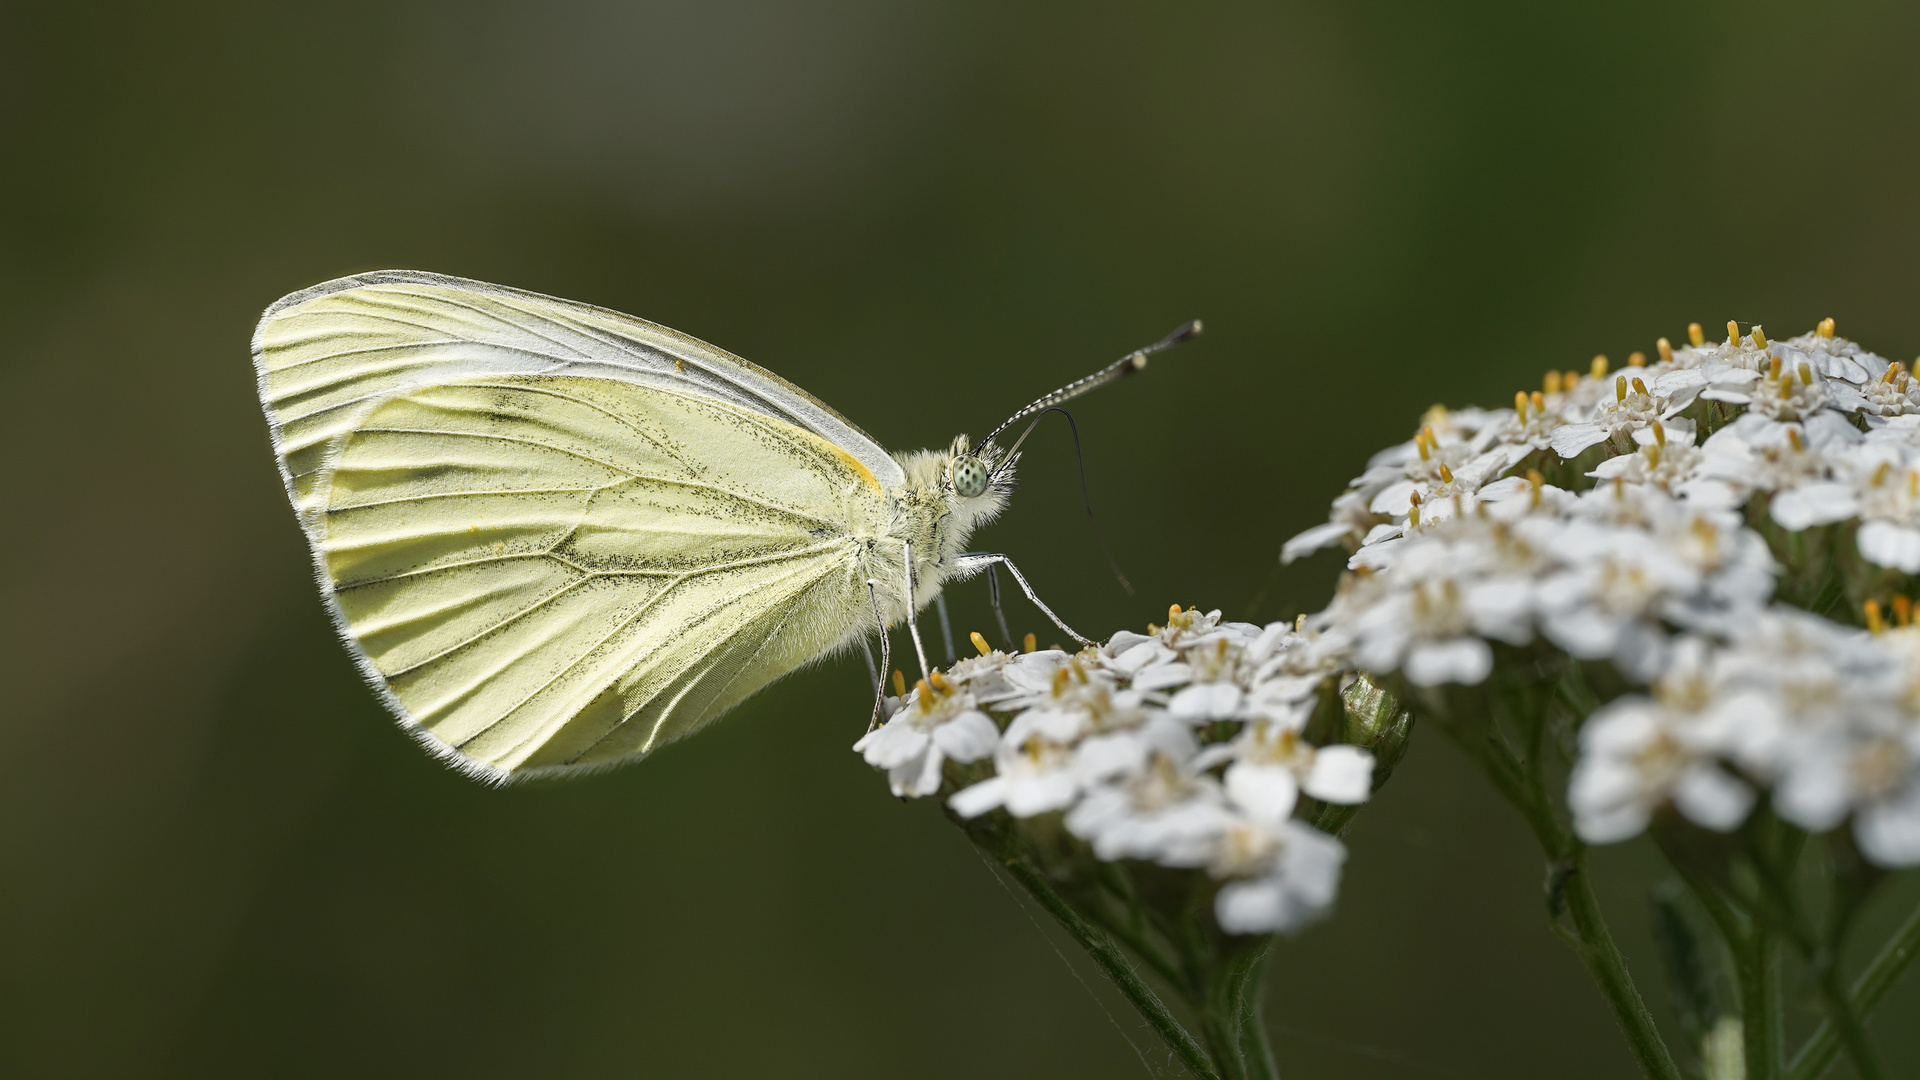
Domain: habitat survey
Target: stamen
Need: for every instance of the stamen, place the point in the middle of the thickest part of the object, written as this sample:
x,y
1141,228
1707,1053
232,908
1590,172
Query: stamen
x,y
1636,358
1619,388
939,682
1773,369
1619,490
1300,623
1640,387
1793,436
926,692
1060,679
1871,609
1539,402
1786,389
1806,374
1446,474
1173,613
1665,348
1903,610
1599,365
1759,339
899,684
1550,382
980,643
1413,512
1520,404
1880,474
1733,333
1570,379
1659,433
1893,369
1029,643
1825,329
1653,455
1420,444
1538,480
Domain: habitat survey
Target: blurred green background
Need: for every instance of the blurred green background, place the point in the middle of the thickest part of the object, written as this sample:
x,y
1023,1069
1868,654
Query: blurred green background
x,y
219,858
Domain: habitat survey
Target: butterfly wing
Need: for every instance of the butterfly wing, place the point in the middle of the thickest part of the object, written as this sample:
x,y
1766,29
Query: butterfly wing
x,y
551,571
325,355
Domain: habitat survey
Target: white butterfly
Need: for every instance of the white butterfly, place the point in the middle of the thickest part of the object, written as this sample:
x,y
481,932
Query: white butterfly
x,y
557,537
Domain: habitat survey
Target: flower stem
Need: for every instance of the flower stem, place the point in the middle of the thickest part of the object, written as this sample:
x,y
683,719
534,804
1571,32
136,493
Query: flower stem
x,y
1773,858
1231,1010
1253,1029
1851,1029
1609,969
1757,966
1114,963
1887,967
1522,781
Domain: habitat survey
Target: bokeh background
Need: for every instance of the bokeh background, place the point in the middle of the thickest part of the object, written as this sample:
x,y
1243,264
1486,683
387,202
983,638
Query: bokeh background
x,y
219,858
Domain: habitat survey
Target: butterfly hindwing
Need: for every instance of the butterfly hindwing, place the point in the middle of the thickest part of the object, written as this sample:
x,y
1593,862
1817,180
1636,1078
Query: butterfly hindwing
x,y
546,573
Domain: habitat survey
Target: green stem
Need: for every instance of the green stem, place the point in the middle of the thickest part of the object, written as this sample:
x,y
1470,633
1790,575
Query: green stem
x,y
1222,1025
1775,872
1254,1045
1609,969
1757,965
1847,1023
1885,970
1114,963
1230,1009
1524,786
1756,969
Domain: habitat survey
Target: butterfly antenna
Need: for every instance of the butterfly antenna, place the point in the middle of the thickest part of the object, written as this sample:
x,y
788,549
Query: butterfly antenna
x,y
1086,496
1126,365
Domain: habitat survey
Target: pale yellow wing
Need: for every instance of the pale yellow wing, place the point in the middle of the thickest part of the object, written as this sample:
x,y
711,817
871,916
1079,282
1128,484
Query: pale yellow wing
x,y
545,573
325,355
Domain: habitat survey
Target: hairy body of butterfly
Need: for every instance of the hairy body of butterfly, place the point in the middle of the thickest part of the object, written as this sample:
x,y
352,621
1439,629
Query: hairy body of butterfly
x,y
558,537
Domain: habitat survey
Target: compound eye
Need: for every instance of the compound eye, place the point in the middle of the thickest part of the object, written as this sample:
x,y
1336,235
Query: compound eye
x,y
969,477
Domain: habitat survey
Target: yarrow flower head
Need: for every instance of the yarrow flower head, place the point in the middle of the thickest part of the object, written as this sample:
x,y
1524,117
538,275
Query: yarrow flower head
x,y
1185,747
1649,519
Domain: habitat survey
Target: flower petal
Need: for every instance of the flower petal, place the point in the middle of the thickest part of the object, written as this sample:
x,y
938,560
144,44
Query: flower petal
x,y
1883,543
984,796
1341,774
1266,792
967,737
892,743
1463,660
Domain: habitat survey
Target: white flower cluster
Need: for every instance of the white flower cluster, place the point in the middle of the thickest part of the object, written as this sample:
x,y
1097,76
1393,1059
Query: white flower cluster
x,y
1826,716
1645,558
1183,747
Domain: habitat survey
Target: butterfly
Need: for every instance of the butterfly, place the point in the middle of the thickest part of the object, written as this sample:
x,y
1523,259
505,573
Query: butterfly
x,y
556,537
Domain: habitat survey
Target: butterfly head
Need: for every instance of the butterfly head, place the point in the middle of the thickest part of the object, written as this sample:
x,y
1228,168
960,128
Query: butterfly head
x,y
978,477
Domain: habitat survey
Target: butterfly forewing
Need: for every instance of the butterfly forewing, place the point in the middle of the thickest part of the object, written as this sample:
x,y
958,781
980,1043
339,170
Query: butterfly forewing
x,y
325,354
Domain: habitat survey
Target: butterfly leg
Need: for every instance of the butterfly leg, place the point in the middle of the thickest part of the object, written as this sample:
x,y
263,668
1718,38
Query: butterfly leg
x,y
913,625
972,563
993,597
886,655
946,627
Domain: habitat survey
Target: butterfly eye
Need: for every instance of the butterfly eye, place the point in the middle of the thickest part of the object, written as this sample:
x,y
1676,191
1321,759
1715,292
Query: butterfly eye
x,y
969,477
